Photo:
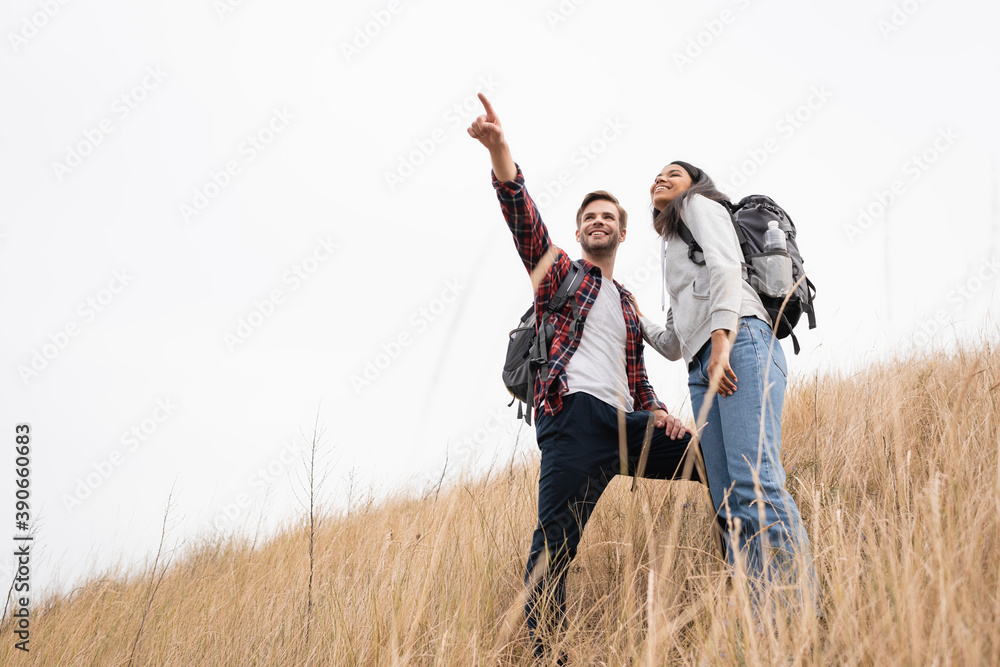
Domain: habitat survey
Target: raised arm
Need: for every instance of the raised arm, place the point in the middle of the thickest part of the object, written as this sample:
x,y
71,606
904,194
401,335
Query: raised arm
x,y
487,130
525,222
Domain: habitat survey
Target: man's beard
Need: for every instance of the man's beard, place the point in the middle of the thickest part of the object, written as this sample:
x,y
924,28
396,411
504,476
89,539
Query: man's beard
x,y
607,247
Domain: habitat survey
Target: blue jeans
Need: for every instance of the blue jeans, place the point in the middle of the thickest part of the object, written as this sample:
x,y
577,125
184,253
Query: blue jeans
x,y
741,437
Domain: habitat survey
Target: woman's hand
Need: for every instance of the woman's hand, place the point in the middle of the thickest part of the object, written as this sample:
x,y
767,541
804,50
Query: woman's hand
x,y
721,377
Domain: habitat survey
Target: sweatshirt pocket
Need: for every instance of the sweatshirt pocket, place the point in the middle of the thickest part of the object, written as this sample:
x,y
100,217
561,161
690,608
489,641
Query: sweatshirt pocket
x,y
699,289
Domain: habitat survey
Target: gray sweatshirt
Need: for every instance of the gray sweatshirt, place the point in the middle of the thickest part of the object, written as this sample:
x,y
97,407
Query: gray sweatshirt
x,y
706,297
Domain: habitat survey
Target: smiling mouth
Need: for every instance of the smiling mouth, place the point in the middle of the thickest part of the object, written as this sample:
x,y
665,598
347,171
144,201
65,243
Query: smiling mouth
x,y
658,188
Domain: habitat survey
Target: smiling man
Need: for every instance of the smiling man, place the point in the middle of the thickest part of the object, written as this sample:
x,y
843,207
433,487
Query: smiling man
x,y
596,391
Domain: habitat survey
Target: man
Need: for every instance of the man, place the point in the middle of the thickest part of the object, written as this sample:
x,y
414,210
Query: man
x,y
597,387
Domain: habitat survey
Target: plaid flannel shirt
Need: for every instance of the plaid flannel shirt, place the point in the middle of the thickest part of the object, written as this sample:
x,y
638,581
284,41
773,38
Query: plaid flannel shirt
x,y
532,241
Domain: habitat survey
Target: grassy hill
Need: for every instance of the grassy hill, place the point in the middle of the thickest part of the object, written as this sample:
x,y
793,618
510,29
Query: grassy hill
x,y
895,470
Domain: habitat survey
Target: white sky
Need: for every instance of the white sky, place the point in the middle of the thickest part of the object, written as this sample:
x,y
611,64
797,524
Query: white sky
x,y
424,259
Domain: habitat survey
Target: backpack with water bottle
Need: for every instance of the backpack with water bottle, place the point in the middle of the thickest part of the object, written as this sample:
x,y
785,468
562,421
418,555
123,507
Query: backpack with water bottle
x,y
772,263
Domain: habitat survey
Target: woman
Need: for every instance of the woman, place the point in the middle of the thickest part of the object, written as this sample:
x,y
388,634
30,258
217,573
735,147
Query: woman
x,y
741,439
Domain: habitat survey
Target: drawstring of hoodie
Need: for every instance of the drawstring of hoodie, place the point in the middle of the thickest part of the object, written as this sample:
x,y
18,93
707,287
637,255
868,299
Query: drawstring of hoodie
x,y
663,273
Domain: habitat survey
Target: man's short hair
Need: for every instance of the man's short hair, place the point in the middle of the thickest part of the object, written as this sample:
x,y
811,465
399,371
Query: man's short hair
x,y
601,195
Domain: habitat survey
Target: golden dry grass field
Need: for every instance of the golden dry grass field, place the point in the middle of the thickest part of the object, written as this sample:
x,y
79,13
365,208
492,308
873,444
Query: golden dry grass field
x,y
894,468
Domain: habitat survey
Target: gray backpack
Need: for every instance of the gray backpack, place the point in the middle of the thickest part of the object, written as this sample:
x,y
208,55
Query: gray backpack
x,y
750,217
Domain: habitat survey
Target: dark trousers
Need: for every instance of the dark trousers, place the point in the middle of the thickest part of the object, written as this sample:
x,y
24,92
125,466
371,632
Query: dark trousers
x,y
580,456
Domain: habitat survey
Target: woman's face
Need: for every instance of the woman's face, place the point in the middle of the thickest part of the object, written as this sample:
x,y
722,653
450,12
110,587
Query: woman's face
x,y
669,183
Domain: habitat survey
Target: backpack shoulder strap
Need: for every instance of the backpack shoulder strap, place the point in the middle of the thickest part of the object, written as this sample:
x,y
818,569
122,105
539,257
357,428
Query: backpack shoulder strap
x,y
693,247
570,284
566,292
740,236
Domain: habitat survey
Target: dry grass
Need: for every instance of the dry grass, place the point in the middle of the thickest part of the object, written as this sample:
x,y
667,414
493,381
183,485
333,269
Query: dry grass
x,y
895,471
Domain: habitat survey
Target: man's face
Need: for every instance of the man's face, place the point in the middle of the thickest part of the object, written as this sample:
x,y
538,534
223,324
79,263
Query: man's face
x,y
600,231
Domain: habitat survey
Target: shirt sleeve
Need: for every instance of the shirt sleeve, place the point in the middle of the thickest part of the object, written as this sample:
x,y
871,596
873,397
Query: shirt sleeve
x,y
645,397
712,227
530,234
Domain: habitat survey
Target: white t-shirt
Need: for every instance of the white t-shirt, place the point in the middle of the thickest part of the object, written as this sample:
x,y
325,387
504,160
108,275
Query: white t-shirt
x,y
598,366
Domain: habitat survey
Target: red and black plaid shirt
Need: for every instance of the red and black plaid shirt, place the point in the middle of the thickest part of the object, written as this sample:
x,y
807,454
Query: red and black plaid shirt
x,y
532,241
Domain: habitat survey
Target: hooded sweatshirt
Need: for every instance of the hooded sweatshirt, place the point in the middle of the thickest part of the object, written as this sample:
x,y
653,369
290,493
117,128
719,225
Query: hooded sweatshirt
x,y
706,297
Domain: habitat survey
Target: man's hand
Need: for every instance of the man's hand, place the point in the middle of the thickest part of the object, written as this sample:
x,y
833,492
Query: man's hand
x,y
672,425
721,376
487,130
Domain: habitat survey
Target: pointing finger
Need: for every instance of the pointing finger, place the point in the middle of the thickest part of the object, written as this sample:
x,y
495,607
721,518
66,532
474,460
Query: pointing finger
x,y
487,106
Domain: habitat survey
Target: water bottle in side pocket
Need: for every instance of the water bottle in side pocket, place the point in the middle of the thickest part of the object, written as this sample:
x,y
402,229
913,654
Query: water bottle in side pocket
x,y
772,269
